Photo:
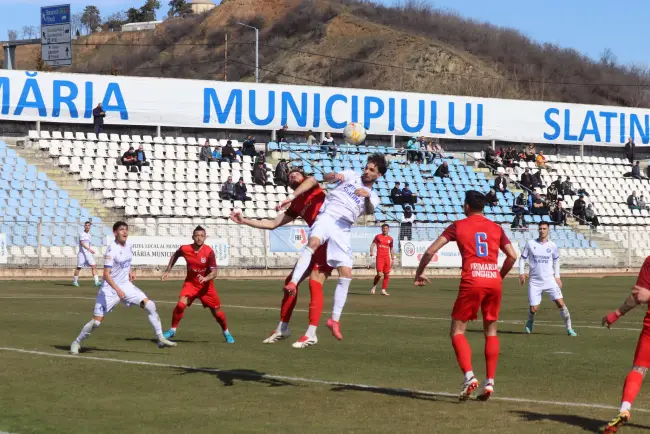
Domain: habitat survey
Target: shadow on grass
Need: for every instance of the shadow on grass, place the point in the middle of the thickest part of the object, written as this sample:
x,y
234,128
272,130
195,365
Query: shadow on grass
x,y
400,393
91,350
155,341
512,332
586,423
228,377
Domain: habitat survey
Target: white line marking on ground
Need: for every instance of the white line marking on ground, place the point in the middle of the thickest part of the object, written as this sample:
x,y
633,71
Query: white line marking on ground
x,y
583,325
310,380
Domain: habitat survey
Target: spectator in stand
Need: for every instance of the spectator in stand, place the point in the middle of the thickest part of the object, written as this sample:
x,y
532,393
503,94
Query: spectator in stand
x,y
98,118
500,184
540,161
647,170
539,206
228,190
248,147
281,134
518,222
206,153
579,207
559,214
636,171
408,196
442,171
396,195
537,179
590,216
558,184
633,201
630,147
329,146
490,157
519,205
216,154
491,198
406,225
437,150
240,191
310,138
527,180
642,203
228,153
259,174
282,173
130,160
530,152
567,188
260,158
141,158
413,150
552,193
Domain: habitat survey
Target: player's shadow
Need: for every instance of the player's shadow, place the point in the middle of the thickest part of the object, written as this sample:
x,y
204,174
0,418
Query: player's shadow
x,y
400,393
83,350
230,376
64,284
586,423
511,332
175,340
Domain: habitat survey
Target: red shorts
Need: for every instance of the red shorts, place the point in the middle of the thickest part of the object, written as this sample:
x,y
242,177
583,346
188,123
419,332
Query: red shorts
x,y
207,295
470,299
642,353
383,265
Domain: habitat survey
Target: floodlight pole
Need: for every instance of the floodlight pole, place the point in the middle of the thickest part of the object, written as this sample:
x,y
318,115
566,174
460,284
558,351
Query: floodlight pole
x,y
257,50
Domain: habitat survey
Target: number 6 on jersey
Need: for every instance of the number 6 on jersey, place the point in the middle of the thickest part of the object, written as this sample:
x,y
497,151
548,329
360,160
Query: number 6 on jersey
x,y
481,244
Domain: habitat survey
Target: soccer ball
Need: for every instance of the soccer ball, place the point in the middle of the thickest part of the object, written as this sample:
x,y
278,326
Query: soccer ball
x,y
354,133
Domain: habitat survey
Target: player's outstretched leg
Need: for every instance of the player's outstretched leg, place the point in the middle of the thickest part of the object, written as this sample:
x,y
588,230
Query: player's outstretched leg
x,y
152,315
492,348
464,357
177,316
289,300
85,333
631,389
315,310
384,285
566,317
374,283
340,297
221,319
531,319
303,264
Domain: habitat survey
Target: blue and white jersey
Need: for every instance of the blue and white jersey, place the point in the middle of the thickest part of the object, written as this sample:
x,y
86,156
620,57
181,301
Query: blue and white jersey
x,y
84,237
544,263
343,204
118,258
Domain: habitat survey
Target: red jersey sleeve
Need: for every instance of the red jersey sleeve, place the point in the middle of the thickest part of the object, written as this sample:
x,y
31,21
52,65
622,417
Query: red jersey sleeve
x,y
375,240
504,239
450,232
212,260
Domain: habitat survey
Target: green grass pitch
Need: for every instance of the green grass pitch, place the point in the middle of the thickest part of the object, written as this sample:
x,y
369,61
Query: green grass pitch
x,y
546,382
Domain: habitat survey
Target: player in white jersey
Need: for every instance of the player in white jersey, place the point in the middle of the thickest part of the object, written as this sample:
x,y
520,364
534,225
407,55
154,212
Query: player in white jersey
x,y
351,198
85,255
118,287
544,258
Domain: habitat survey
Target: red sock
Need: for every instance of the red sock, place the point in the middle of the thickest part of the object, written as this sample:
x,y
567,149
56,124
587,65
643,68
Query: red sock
x,y
288,303
376,281
316,303
492,348
384,285
221,319
463,352
632,386
177,315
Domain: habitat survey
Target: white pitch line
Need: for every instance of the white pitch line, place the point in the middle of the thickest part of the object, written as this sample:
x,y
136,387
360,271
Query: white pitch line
x,y
583,325
311,380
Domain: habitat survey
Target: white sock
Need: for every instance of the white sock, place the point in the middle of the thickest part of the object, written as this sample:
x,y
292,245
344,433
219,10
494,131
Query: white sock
x,y
340,296
625,406
489,381
87,330
311,331
226,331
531,316
302,265
566,316
469,375
153,317
282,327
76,279
96,278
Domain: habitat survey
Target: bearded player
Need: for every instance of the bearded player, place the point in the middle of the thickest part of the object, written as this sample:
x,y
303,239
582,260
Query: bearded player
x,y
306,206
479,241
640,295
199,282
383,244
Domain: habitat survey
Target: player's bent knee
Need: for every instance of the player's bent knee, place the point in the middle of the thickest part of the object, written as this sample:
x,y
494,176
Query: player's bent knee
x,y
150,306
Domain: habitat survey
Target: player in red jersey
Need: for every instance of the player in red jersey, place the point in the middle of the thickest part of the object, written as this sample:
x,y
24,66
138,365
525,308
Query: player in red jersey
x,y
383,243
201,271
307,206
640,295
479,241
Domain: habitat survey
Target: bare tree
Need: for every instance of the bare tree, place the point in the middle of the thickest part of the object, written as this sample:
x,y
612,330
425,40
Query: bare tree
x,y
29,32
12,35
75,23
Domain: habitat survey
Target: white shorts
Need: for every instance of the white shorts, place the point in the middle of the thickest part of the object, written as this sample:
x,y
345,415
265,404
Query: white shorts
x,y
84,260
107,299
336,233
535,294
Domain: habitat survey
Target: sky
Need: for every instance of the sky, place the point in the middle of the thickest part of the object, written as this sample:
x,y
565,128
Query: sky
x,y
589,26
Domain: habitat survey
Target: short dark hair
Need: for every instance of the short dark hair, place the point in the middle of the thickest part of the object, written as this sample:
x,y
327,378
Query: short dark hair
x,y
379,160
87,223
119,224
475,200
385,225
199,228
543,223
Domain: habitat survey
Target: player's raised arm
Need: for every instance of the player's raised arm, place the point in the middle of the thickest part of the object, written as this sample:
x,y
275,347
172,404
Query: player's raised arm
x,y
172,261
305,186
267,224
420,278
333,177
